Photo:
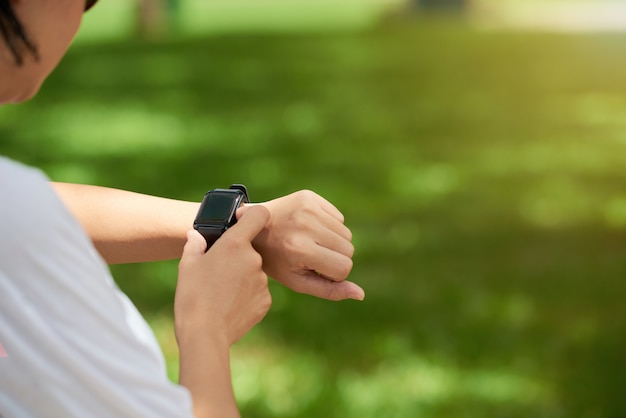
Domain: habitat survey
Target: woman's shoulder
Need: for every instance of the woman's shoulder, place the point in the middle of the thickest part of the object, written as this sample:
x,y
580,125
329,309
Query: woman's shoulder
x,y
15,175
29,206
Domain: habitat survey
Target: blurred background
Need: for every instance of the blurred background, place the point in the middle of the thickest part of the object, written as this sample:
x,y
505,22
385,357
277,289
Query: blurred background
x,y
476,148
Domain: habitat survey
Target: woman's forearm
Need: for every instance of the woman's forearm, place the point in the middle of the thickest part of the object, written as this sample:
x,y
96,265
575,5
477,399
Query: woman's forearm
x,y
128,227
205,372
305,246
220,295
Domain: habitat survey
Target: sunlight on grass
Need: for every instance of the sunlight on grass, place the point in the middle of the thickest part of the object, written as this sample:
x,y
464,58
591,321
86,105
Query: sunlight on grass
x,y
282,380
615,212
116,19
601,110
551,155
287,381
131,128
412,385
424,182
86,129
279,15
557,202
73,172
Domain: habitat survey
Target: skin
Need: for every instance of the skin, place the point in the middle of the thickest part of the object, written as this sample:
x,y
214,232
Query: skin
x,y
300,239
52,25
305,236
217,302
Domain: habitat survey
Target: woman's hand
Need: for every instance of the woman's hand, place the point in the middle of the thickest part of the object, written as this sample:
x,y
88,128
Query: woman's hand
x,y
307,247
225,289
220,296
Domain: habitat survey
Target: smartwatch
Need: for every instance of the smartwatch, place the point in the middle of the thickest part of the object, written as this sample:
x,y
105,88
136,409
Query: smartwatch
x,y
217,211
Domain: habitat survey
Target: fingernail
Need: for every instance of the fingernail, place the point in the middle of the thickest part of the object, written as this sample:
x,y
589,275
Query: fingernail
x,y
360,296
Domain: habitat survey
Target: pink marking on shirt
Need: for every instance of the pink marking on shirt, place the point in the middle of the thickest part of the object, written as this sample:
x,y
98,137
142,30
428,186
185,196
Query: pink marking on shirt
x,y
3,352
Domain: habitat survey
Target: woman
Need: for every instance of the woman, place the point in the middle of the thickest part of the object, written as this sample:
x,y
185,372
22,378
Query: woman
x,y
71,344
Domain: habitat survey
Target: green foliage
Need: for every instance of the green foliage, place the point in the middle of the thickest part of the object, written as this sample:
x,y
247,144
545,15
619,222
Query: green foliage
x,y
481,173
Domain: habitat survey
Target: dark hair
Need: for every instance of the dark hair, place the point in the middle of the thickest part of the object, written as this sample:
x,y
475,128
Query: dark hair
x,y
14,34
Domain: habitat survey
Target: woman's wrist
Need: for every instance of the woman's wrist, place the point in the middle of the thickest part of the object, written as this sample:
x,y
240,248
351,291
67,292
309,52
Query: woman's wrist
x,y
189,331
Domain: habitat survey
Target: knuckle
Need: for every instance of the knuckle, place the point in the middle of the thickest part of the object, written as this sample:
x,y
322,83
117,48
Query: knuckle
x,y
344,268
254,265
300,286
264,297
257,261
267,301
306,195
333,294
350,250
295,246
301,221
252,261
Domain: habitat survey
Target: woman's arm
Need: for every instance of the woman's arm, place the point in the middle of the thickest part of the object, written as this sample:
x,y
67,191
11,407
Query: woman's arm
x,y
220,296
305,245
128,227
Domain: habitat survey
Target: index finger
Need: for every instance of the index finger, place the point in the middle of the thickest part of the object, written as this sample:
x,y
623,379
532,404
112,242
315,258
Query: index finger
x,y
252,220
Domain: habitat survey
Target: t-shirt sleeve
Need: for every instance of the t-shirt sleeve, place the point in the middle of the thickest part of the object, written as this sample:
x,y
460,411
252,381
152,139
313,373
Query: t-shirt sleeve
x,y
72,344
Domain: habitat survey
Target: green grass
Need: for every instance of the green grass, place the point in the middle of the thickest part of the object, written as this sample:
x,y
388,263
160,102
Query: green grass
x,y
116,19
481,173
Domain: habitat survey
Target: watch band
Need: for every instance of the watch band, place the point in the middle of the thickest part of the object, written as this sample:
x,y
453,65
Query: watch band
x,y
210,234
243,189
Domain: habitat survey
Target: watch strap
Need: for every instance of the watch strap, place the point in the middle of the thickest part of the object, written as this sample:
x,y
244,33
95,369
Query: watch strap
x,y
210,234
243,189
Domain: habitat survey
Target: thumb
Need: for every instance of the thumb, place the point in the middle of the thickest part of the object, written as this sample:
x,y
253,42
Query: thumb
x,y
195,245
242,210
252,220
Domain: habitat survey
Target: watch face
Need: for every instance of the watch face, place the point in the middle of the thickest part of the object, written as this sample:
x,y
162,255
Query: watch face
x,y
218,207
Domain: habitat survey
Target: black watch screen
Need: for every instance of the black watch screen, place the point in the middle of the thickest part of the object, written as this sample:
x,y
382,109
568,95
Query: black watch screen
x,y
218,210
217,207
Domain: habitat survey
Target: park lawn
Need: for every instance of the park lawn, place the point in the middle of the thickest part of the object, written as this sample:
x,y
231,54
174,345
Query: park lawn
x,y
482,174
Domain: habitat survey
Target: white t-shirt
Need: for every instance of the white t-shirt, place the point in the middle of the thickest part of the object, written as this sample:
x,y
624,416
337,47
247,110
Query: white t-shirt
x,y
71,343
